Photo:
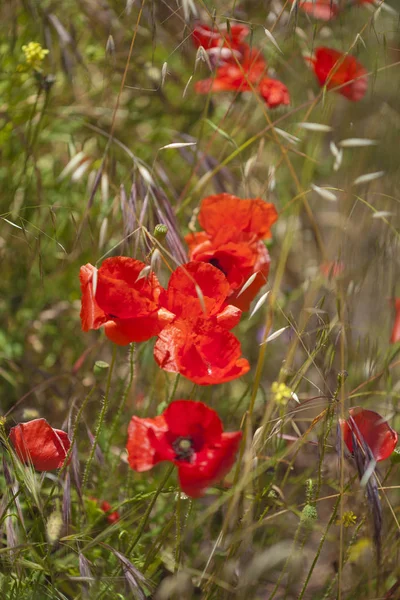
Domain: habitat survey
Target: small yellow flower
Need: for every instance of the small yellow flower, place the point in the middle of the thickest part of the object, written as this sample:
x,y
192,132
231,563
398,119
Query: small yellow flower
x,y
282,393
34,54
349,519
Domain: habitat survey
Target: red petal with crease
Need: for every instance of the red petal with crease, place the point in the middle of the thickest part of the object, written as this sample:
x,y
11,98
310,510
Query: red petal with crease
x,y
38,443
92,316
209,466
371,428
121,293
223,215
194,287
142,454
126,331
205,352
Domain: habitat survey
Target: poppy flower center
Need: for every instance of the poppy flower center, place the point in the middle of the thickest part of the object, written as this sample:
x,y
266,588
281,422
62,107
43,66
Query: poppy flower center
x,y
183,448
215,263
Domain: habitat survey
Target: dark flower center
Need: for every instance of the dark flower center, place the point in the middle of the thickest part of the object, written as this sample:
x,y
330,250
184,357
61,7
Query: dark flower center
x,y
183,448
215,263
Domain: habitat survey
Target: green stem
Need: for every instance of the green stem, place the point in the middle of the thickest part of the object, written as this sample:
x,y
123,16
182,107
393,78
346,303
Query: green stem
x,y
102,416
321,543
146,515
123,399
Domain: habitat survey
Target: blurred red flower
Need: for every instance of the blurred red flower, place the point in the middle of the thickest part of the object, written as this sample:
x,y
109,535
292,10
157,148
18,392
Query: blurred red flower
x,y
188,434
198,343
121,298
395,337
332,268
234,228
334,69
36,442
212,38
325,10
239,68
236,74
371,428
112,516
274,92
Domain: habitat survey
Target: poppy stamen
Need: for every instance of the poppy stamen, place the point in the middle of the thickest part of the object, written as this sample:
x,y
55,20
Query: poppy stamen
x,y
215,263
183,448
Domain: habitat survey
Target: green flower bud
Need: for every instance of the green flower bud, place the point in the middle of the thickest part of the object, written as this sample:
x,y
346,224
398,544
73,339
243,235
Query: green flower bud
x,y
100,367
308,515
160,232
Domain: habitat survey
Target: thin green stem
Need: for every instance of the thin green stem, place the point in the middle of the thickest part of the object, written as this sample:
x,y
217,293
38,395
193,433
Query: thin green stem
x,y
102,416
147,514
321,543
124,398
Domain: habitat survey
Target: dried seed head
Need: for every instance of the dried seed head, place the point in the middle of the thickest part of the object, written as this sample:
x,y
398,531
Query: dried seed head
x,y
54,527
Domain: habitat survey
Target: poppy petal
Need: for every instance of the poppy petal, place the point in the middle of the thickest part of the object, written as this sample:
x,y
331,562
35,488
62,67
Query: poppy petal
x,y
141,446
229,317
92,316
121,290
334,69
209,466
186,418
194,288
371,428
38,443
395,337
222,214
125,331
261,267
205,352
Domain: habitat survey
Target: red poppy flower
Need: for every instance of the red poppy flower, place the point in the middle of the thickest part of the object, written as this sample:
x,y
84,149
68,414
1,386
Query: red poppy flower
x,y
232,242
395,337
125,302
190,435
325,10
274,92
336,69
205,36
369,427
198,343
37,443
233,76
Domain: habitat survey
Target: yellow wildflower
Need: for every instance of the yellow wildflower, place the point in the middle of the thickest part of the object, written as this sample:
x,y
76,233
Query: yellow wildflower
x,y
349,519
34,54
282,393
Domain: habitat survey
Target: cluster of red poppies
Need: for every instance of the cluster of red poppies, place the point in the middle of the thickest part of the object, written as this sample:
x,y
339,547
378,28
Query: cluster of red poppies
x,y
240,68
204,299
237,66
